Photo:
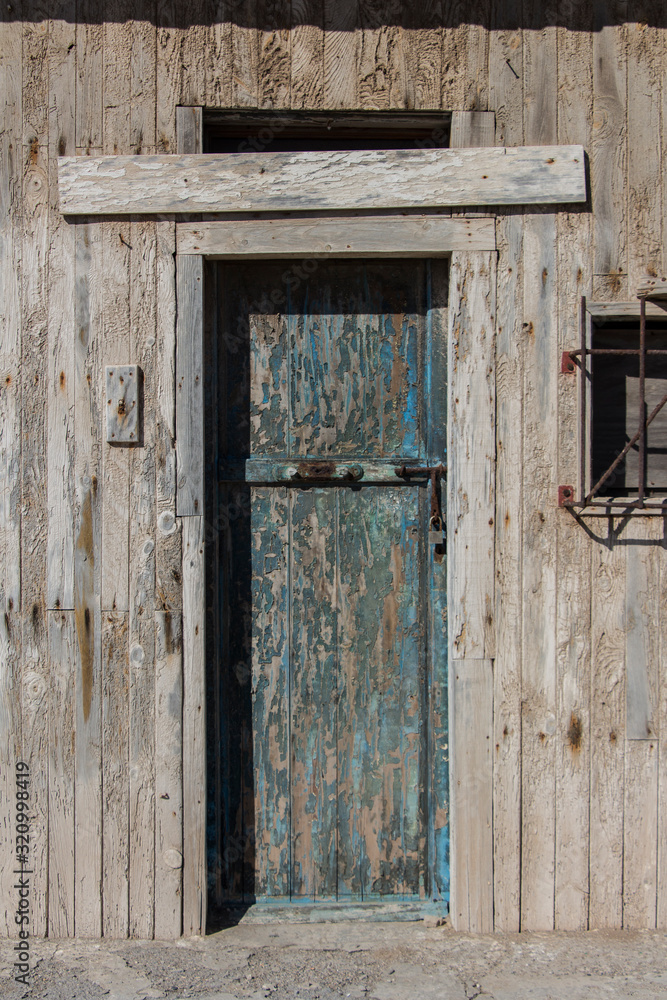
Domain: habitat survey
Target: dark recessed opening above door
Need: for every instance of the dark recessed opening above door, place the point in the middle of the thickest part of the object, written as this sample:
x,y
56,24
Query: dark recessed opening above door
x,y
293,131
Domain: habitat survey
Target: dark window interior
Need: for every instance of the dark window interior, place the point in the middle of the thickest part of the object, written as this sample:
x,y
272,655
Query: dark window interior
x,y
278,131
615,391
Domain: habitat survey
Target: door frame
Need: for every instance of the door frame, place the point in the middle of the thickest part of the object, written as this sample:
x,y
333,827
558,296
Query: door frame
x,y
470,488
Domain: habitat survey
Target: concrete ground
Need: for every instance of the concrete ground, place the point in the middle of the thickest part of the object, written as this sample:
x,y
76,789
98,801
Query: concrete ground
x,y
362,960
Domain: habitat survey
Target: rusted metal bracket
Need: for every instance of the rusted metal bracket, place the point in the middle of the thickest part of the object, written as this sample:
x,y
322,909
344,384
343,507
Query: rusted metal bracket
x,y
568,364
434,473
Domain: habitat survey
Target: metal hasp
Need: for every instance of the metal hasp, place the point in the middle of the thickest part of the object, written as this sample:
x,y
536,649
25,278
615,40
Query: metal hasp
x,y
435,474
122,404
577,359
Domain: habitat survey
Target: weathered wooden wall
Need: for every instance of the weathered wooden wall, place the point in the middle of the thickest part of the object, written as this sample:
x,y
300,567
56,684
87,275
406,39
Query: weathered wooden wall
x,y
91,562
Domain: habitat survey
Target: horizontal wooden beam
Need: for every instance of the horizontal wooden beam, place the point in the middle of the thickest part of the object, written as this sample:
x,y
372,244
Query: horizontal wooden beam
x,y
347,236
625,310
656,288
361,179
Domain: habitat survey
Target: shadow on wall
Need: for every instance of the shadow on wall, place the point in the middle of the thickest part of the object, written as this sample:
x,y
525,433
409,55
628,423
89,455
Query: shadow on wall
x,y
345,15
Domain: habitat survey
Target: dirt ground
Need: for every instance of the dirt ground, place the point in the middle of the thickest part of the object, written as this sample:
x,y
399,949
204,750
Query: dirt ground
x,y
367,961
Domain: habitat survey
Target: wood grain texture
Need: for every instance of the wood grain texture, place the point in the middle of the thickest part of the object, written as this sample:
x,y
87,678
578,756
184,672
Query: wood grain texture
x,y
307,54
506,97
609,152
573,636
62,736
87,587
34,323
661,876
115,774
471,450
189,386
168,774
10,448
384,236
341,52
331,180
194,729
608,678
471,706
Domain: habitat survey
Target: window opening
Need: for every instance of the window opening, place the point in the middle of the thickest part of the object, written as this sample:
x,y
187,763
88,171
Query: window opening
x,y
623,440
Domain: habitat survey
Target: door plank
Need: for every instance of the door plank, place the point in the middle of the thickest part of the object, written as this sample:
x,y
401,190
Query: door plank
x,y
270,684
313,684
380,682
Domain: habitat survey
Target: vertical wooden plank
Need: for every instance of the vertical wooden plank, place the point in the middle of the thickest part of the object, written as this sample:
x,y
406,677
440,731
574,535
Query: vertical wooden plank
x,y
219,56
60,371
245,55
87,586
89,78
189,134
381,70
471,451
143,85
194,728
274,65
575,108
34,309
168,774
645,46
10,446
607,730
609,151
189,386
312,694
471,707
380,685
421,44
539,475
506,98
142,585
271,684
642,648
307,54
661,917
62,735
341,53
115,777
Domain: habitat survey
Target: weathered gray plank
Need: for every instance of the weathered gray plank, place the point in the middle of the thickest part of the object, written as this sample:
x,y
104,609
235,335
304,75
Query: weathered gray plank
x,y
245,55
609,151
33,199
607,731
61,319
471,455
625,310
472,128
189,386
421,50
89,78
354,236
381,80
62,735
189,130
640,814
506,98
274,40
194,728
168,773
471,805
142,752
115,774
87,587
10,451
575,277
326,180
655,287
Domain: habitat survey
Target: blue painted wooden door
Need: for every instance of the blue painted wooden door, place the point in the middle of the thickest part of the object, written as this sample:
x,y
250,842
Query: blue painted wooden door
x,y
333,736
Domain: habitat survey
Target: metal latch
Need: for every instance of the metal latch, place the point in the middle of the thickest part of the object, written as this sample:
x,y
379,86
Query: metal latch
x,y
437,531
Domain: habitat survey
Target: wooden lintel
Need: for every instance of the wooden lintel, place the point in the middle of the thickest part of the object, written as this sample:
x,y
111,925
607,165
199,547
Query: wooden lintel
x,y
360,179
349,236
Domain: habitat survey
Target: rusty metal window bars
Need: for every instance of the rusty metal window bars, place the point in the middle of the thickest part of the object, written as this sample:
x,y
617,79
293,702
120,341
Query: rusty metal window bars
x,y
588,498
